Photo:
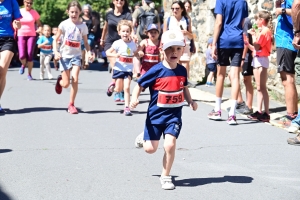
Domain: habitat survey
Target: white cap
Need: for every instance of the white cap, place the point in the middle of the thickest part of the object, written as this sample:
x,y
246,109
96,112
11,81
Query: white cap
x,y
172,38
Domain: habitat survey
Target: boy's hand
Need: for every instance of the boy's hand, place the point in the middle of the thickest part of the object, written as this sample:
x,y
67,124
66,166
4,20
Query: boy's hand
x,y
117,55
134,103
194,105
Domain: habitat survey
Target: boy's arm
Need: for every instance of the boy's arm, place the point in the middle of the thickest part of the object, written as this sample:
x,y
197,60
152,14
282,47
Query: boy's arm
x,y
111,52
188,98
135,95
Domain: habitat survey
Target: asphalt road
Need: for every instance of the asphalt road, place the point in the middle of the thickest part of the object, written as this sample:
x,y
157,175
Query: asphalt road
x,y
47,153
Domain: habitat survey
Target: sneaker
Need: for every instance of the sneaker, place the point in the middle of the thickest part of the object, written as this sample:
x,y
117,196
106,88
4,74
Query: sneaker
x,y
122,97
110,89
209,84
215,115
231,120
58,88
139,141
245,111
166,183
127,112
22,69
41,77
117,97
29,77
255,115
293,128
294,141
72,109
283,122
265,117
50,77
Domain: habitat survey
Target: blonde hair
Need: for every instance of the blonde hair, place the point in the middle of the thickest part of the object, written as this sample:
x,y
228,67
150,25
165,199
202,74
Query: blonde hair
x,y
46,26
124,23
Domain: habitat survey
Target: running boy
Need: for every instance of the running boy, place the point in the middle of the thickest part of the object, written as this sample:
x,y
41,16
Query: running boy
x,y
124,50
167,82
45,45
69,55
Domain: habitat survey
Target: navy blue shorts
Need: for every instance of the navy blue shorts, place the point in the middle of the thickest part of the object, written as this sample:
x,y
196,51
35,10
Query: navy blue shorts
x,y
154,131
120,74
212,67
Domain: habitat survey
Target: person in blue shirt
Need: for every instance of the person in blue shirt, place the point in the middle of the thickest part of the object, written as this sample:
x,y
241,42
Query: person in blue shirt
x,y
227,48
45,45
286,55
10,19
167,82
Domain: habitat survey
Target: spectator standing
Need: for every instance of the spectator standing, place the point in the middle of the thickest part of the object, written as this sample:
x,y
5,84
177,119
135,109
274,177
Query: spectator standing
x,y
228,46
120,11
210,64
286,54
27,35
295,13
9,20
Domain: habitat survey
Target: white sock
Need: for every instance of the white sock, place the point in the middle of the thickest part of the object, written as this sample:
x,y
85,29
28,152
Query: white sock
x,y
218,103
232,109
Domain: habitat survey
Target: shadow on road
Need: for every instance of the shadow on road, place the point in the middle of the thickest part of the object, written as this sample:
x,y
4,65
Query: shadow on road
x,y
35,109
5,151
193,182
4,196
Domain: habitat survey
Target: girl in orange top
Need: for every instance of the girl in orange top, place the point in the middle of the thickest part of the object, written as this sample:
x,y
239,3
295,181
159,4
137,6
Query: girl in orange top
x,y
262,44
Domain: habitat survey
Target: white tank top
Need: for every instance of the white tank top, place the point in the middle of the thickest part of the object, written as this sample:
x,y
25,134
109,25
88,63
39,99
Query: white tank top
x,y
175,25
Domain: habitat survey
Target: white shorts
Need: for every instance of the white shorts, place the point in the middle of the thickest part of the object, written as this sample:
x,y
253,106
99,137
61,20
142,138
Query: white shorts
x,y
186,53
260,62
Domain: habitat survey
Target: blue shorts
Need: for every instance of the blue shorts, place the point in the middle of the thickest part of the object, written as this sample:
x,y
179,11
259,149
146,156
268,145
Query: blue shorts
x,y
67,63
212,67
120,74
154,131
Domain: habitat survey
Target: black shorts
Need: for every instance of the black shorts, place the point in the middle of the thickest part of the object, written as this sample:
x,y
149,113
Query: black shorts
x,y
232,57
285,60
120,74
247,67
8,43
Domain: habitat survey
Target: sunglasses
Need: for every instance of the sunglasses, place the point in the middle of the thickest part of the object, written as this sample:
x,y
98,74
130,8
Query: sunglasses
x,y
30,3
175,8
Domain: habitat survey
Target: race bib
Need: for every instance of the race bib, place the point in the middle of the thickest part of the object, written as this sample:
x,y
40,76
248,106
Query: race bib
x,y
46,47
151,58
170,99
126,59
73,44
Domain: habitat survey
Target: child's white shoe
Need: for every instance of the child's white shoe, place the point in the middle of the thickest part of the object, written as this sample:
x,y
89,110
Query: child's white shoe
x,y
166,183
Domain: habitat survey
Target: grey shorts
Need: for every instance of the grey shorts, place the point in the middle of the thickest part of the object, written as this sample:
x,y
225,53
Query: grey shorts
x,y
67,63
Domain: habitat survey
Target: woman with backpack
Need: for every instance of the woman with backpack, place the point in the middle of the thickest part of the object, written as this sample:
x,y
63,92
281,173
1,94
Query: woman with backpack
x,y
180,21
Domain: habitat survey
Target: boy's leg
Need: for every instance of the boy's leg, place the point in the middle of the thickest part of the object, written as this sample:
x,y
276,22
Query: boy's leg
x,y
119,85
126,87
169,155
47,65
42,65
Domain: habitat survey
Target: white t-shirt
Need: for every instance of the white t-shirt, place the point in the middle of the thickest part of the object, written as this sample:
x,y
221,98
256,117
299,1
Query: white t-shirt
x,y
175,25
126,50
72,36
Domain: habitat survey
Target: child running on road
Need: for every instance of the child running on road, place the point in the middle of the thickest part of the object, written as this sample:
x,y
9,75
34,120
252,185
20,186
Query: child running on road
x,y
262,44
167,82
210,63
45,45
149,49
124,50
69,55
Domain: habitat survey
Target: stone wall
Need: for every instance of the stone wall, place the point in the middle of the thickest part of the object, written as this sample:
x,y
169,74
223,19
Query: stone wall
x,y
203,20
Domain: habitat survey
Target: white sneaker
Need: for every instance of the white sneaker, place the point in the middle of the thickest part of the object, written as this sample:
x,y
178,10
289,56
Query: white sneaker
x,y
41,77
139,141
232,120
293,128
166,183
50,77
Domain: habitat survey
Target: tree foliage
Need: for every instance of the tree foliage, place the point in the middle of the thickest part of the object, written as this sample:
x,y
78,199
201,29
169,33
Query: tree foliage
x,y
54,11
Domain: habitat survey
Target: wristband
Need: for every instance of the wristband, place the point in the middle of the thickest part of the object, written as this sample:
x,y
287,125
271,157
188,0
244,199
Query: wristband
x,y
283,10
243,58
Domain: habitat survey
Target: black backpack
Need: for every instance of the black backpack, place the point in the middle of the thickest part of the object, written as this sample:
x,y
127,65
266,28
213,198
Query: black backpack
x,y
145,19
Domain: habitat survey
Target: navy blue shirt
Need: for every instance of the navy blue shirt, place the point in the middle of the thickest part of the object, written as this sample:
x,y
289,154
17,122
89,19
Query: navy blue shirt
x,y
9,10
233,13
166,91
